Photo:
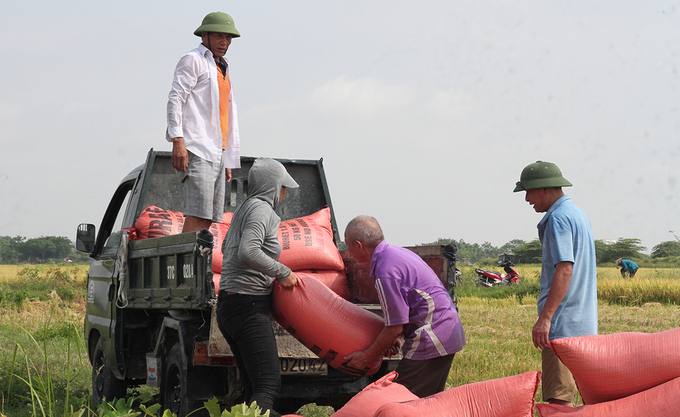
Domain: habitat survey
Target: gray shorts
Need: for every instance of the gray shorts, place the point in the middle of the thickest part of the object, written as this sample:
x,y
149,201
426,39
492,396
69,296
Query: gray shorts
x,y
204,185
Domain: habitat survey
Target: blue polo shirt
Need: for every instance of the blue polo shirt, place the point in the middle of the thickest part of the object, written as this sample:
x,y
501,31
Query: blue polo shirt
x,y
566,236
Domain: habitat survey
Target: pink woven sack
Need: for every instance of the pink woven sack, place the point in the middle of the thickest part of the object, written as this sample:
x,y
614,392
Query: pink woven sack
x,y
512,396
375,395
660,401
156,222
325,323
335,280
307,243
609,367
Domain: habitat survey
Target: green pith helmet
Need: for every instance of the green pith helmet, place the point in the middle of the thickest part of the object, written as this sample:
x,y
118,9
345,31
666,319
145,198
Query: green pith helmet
x,y
217,22
541,175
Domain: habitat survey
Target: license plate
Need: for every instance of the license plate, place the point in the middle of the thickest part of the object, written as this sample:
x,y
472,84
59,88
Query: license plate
x,y
292,366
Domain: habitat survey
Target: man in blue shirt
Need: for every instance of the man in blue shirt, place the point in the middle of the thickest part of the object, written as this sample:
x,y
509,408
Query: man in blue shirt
x,y
627,266
567,305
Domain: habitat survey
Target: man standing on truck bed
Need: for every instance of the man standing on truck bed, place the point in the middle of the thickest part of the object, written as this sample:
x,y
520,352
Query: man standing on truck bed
x,y
414,303
202,123
567,304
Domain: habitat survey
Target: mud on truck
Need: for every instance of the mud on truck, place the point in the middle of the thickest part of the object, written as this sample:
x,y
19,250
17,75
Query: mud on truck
x,y
150,312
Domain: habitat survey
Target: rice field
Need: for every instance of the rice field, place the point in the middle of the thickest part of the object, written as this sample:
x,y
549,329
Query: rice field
x,y
44,304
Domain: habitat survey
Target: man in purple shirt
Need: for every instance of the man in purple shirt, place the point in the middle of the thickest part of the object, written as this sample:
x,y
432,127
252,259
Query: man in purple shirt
x,y
415,304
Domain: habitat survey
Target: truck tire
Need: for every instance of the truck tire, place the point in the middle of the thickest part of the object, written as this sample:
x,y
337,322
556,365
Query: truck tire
x,y
105,386
177,394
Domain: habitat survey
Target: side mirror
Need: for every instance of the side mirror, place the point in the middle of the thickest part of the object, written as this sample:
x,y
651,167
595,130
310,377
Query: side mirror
x,y
85,238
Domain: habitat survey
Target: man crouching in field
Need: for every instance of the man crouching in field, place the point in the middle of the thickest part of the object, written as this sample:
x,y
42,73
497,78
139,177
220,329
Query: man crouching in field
x,y
567,305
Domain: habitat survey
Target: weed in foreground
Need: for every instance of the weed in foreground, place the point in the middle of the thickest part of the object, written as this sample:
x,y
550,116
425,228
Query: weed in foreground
x,y
40,391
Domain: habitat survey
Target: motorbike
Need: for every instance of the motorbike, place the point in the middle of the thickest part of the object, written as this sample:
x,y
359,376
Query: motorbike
x,y
487,278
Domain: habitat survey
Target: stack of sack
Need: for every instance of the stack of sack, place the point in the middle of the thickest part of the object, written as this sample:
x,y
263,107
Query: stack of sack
x,y
308,249
307,243
621,374
316,311
156,222
505,397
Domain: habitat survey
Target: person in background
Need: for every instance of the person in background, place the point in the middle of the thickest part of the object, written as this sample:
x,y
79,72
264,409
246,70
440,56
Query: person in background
x,y
202,123
250,267
627,266
415,304
567,304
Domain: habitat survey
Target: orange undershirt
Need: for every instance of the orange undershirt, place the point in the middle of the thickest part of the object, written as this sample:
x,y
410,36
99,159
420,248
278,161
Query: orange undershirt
x,y
225,89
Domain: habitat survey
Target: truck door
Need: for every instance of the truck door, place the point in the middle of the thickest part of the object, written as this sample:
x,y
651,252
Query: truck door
x,y
100,310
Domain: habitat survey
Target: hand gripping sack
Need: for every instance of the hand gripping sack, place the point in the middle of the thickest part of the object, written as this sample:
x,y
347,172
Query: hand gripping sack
x,y
512,396
216,281
375,395
660,401
325,323
307,243
335,280
608,367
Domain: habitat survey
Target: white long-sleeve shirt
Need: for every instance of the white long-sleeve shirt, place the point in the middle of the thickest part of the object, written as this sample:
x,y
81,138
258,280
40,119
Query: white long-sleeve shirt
x,y
194,109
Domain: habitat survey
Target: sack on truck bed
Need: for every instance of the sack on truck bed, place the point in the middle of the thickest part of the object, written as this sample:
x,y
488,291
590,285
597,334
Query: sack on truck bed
x,y
660,401
325,323
609,367
374,396
512,396
307,243
156,222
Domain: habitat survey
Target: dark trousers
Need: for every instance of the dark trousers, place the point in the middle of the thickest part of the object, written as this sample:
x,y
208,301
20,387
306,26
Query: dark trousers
x,y
426,377
245,322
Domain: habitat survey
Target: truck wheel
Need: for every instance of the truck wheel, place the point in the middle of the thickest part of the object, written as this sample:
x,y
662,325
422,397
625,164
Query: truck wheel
x,y
176,394
105,386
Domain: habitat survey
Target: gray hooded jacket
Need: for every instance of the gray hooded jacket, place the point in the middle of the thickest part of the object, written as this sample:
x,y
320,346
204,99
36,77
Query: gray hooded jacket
x,y
251,248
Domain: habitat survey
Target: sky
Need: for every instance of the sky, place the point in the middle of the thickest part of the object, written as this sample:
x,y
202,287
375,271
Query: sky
x,y
424,112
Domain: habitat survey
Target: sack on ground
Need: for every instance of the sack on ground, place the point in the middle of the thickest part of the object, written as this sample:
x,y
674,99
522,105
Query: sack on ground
x,y
512,396
335,280
374,396
325,323
609,367
307,243
660,401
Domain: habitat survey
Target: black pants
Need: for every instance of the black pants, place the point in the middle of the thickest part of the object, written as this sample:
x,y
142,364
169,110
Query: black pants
x,y
245,322
426,377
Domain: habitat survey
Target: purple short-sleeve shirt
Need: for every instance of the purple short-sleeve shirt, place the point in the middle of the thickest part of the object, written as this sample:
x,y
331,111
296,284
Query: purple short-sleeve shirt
x,y
411,294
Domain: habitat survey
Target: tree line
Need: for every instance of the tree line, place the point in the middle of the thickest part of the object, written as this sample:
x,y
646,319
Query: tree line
x,y
44,249
531,252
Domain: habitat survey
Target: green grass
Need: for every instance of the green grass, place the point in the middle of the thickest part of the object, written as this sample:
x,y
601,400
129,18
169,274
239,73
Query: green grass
x,y
497,324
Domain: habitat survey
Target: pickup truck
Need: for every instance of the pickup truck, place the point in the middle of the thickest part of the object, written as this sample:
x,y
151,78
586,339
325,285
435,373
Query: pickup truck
x,y
150,312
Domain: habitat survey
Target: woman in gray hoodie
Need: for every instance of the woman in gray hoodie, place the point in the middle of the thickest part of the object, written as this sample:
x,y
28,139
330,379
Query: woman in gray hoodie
x,y
251,252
